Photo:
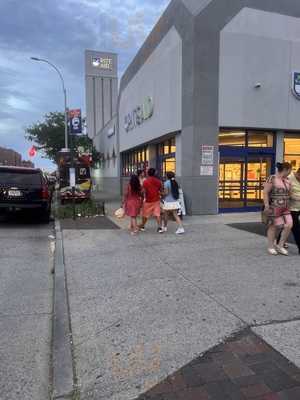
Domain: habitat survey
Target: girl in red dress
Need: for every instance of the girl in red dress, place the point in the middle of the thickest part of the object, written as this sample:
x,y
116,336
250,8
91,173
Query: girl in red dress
x,y
133,201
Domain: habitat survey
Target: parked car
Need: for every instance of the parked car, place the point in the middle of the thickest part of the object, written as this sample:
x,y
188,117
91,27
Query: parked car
x,y
25,189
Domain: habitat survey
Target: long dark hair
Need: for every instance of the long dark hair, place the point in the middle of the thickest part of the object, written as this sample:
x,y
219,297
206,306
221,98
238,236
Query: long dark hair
x,y
174,185
135,184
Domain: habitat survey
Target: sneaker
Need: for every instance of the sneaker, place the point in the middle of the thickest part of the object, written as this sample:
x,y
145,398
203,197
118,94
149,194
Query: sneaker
x,y
165,229
272,252
282,251
160,230
142,228
180,231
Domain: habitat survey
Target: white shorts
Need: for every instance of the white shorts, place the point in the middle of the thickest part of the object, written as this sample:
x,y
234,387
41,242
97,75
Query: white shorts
x,y
171,206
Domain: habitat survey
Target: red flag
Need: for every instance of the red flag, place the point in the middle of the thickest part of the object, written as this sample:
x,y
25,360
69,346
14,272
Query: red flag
x,y
32,152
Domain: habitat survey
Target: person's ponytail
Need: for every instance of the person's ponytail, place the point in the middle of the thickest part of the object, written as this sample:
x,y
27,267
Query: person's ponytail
x,y
174,185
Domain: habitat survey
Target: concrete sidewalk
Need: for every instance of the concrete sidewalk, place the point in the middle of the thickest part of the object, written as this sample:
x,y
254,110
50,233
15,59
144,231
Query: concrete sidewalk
x,y
143,307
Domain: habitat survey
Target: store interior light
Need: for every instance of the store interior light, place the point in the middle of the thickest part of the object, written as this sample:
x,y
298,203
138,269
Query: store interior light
x,y
223,134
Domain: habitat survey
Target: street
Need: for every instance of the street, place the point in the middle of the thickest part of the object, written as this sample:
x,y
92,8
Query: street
x,y
25,309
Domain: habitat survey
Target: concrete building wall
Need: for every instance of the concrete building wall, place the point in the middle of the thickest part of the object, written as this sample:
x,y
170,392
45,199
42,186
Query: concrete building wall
x,y
161,79
106,176
259,47
10,157
101,70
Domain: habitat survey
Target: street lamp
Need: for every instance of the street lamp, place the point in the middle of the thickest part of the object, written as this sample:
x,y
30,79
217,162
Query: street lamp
x,y
65,96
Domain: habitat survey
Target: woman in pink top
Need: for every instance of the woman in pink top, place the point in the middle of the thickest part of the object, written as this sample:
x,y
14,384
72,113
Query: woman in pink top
x,y
133,201
276,200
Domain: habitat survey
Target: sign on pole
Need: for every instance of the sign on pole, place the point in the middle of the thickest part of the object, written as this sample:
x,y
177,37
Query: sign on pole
x,y
32,152
75,122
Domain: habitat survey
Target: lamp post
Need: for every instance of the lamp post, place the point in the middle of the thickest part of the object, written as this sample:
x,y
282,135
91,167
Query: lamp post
x,y
65,96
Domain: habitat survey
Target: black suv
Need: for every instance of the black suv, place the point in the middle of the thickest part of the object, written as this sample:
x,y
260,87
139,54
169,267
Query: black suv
x,y
25,189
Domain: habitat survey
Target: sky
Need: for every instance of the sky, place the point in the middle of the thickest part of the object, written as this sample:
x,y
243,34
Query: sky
x,y
60,31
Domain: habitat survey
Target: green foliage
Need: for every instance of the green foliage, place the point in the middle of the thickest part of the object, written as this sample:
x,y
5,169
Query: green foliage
x,y
87,208
49,136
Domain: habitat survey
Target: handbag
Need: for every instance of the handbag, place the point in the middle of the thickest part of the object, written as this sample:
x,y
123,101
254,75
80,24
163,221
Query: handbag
x,y
120,213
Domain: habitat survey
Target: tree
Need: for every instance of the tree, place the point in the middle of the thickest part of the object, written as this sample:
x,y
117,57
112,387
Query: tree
x,y
49,136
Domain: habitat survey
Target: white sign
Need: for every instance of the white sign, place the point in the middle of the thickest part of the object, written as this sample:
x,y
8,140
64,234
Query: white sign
x,y
139,115
206,170
207,155
102,63
72,177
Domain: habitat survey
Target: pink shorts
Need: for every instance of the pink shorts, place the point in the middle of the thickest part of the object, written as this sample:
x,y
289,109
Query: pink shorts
x,y
151,209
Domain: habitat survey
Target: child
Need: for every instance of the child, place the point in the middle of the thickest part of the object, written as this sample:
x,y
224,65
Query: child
x,y
133,201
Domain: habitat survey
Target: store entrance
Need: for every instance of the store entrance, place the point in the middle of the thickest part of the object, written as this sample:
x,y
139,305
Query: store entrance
x,y
242,180
246,160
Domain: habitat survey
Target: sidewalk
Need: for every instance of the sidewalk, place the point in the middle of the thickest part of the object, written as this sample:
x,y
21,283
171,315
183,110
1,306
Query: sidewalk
x,y
144,307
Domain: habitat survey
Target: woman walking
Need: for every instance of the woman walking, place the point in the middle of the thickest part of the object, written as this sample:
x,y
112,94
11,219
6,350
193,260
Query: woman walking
x,y
171,204
276,201
133,201
295,205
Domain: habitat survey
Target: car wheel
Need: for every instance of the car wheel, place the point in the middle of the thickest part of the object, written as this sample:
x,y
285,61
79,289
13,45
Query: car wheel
x,y
45,216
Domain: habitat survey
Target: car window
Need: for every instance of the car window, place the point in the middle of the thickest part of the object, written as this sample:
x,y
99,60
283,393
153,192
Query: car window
x,y
19,178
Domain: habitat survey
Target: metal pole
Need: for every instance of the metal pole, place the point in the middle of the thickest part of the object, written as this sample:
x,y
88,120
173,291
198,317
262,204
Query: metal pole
x,y
66,119
65,94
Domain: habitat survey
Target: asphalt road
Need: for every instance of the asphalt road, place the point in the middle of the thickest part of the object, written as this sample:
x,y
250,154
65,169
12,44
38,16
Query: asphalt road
x,y
25,309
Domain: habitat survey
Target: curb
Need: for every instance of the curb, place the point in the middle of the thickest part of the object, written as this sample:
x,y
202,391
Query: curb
x,y
62,360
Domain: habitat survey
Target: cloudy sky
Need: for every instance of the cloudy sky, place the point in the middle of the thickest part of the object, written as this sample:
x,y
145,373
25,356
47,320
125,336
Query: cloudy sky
x,y
60,31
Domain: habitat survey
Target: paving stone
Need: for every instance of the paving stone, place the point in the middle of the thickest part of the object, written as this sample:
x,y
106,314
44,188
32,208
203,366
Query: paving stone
x,y
237,369
254,391
290,394
193,394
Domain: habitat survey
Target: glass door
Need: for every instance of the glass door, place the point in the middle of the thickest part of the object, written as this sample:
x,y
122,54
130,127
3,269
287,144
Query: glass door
x,y
232,182
241,181
258,169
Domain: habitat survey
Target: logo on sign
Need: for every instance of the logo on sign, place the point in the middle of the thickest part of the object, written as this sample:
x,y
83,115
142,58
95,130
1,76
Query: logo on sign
x,y
296,84
102,63
139,115
75,122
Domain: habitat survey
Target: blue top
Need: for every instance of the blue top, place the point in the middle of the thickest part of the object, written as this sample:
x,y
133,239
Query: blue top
x,y
169,197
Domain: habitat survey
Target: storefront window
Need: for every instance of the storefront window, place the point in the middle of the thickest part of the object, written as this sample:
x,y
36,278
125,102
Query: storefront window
x,y
167,157
228,138
292,151
134,160
260,139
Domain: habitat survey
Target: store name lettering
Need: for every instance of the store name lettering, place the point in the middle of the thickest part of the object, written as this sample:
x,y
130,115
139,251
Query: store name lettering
x,y
139,115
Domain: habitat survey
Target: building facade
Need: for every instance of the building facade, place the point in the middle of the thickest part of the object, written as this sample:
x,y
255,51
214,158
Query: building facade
x,y
10,157
213,95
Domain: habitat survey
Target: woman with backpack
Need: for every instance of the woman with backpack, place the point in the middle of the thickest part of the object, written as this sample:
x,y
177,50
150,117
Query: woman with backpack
x,y
277,192
133,201
171,203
